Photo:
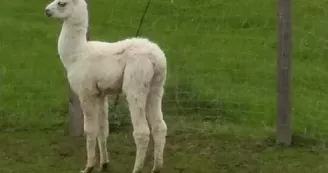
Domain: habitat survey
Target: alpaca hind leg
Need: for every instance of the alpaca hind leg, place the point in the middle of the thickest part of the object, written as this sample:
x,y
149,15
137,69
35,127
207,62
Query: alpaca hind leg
x,y
137,77
103,133
89,105
157,124
141,133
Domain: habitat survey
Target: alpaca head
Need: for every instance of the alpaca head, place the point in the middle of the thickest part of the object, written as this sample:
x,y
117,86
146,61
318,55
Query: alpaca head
x,y
66,9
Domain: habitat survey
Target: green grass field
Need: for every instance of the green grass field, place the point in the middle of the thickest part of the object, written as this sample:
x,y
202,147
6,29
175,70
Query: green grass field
x,y
220,93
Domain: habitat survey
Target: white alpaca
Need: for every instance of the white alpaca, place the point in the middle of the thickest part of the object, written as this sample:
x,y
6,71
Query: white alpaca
x,y
95,69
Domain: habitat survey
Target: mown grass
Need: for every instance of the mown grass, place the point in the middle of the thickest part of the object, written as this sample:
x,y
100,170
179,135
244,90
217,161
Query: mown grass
x,y
191,147
220,93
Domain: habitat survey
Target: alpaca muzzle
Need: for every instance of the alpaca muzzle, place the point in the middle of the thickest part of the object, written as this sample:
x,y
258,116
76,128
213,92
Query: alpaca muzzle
x,y
48,12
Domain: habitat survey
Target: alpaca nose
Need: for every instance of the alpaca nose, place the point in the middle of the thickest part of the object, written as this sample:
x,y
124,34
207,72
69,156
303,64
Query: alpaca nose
x,y
48,12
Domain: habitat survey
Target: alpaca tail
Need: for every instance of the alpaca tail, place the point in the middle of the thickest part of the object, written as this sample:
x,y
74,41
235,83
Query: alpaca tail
x,y
156,89
160,72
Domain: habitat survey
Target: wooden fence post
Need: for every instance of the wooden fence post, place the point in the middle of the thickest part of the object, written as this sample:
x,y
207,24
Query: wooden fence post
x,y
75,112
283,126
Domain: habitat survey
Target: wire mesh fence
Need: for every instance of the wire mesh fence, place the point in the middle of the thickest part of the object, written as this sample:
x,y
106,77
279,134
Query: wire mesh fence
x,y
221,63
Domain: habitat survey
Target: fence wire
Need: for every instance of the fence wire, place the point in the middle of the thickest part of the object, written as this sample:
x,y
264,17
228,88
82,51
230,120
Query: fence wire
x,y
221,63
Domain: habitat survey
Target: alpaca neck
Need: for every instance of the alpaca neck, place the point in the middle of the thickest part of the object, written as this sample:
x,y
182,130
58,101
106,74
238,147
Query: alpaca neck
x,y
72,41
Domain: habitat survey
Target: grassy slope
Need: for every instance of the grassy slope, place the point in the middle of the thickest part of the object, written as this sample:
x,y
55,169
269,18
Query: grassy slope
x,y
221,58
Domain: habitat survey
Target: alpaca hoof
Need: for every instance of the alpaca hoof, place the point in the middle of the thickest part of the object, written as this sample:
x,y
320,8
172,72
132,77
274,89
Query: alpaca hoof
x,y
104,167
136,171
155,171
87,170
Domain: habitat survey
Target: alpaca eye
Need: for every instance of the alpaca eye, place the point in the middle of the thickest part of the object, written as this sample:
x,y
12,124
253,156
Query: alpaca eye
x,y
62,4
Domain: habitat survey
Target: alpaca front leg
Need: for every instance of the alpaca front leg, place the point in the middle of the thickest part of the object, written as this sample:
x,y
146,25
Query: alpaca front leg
x,y
103,133
91,154
102,143
90,109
